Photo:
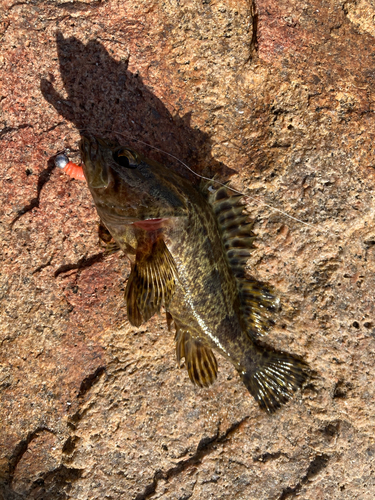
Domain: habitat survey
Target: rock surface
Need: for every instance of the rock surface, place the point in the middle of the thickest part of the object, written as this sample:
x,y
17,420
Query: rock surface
x,y
278,97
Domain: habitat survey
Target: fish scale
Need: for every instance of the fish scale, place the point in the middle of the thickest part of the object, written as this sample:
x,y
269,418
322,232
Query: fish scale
x,y
188,249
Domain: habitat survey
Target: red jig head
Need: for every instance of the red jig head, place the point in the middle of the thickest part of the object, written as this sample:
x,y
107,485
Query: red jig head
x,y
70,168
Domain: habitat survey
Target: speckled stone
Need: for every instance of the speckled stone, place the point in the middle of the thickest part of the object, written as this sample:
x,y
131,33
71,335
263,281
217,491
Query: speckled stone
x,y
279,98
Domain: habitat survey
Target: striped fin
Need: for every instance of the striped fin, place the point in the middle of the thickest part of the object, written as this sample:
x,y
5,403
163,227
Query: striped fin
x,y
111,246
236,230
200,360
257,299
258,303
151,283
275,380
103,233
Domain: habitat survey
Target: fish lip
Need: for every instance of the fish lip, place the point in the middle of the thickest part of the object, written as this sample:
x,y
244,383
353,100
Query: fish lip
x,y
87,140
96,170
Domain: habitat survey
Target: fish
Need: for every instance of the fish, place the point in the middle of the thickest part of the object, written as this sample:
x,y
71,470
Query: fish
x,y
188,247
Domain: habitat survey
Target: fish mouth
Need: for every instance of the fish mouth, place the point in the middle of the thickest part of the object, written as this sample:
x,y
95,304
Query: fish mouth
x,y
95,154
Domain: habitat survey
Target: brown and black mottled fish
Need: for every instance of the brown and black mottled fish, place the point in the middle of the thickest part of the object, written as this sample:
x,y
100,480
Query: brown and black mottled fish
x,y
188,249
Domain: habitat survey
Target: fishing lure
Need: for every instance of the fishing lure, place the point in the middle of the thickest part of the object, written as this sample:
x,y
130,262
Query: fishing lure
x,y
72,169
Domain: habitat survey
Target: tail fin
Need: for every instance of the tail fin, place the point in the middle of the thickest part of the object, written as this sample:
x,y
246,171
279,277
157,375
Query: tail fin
x,y
273,382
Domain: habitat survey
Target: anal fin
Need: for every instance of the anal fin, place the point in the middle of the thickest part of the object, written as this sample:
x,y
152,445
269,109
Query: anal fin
x,y
200,360
151,282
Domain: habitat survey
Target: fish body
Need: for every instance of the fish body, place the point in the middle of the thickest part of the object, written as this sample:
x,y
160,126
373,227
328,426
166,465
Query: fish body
x,y
188,249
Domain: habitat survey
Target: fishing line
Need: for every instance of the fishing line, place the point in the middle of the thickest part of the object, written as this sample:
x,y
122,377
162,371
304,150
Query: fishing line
x,y
225,185
211,180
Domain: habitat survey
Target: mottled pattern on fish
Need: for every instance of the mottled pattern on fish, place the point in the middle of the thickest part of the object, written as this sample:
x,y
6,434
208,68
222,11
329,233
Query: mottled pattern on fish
x,y
188,249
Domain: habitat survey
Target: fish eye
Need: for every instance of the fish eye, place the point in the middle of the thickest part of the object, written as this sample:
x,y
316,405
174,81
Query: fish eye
x,y
126,158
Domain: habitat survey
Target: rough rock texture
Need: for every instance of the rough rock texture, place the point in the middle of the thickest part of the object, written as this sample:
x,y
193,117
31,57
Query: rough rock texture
x,y
278,97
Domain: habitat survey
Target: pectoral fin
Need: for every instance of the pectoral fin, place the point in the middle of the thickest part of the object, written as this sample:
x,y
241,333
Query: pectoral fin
x,y
111,246
199,359
151,282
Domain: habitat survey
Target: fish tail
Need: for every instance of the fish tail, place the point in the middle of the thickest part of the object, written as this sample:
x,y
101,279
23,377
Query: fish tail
x,y
274,378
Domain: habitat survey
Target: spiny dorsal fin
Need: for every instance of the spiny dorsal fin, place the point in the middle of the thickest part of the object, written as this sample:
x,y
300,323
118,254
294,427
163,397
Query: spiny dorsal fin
x,y
235,229
151,283
257,299
200,361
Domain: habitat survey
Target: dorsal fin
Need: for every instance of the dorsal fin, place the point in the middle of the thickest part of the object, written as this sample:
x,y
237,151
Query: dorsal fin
x,y
200,360
257,299
151,282
235,228
258,302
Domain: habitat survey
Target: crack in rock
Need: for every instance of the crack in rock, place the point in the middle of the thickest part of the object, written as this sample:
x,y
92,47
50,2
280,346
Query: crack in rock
x,y
86,385
254,37
81,263
90,380
20,450
316,465
74,6
206,446
70,445
44,265
53,127
43,178
56,484
8,130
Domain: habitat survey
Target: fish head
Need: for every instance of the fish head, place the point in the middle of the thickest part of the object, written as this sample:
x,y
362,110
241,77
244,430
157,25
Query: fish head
x,y
124,183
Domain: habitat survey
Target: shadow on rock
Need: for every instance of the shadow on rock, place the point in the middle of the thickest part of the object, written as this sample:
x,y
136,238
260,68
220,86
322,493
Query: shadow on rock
x,y
107,99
